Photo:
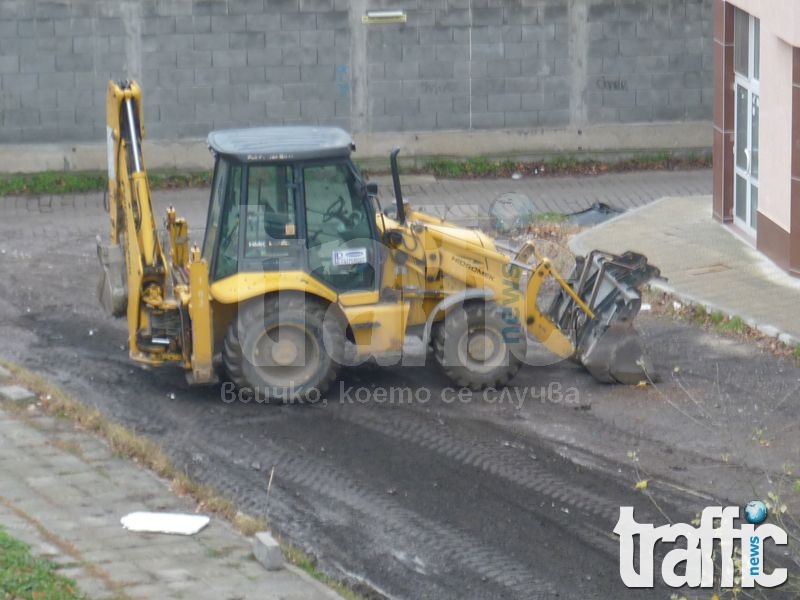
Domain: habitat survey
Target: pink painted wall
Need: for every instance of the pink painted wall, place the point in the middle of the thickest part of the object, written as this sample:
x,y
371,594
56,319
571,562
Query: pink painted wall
x,y
780,30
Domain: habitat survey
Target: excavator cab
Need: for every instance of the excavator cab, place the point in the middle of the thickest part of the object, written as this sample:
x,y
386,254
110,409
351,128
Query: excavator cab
x,y
290,199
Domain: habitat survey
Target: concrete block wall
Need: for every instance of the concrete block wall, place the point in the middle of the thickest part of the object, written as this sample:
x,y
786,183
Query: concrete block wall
x,y
455,64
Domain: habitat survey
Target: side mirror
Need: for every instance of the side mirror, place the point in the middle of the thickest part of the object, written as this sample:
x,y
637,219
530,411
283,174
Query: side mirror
x,y
372,189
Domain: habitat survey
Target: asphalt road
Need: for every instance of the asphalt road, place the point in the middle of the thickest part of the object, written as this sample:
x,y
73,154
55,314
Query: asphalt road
x,y
511,496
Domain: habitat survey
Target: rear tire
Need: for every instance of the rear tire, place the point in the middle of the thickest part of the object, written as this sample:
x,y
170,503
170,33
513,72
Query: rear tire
x,y
284,347
480,345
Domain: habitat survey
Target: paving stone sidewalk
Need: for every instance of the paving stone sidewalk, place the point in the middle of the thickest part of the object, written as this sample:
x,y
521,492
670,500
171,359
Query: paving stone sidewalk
x,y
63,492
705,262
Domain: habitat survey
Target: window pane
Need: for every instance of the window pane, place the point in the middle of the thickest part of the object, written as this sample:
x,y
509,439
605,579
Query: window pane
x,y
753,206
741,198
340,246
754,139
741,43
271,210
228,256
217,198
757,49
742,110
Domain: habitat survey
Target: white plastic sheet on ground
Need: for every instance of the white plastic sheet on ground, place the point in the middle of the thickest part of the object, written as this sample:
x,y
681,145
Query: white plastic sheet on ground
x,y
173,523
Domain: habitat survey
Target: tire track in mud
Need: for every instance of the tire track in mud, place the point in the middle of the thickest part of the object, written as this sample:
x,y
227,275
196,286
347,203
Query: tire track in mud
x,y
436,542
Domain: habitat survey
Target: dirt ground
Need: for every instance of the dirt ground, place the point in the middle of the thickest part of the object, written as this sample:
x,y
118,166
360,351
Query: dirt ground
x,y
432,495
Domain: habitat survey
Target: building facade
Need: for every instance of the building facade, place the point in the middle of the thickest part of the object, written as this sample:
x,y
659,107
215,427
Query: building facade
x,y
757,124
525,75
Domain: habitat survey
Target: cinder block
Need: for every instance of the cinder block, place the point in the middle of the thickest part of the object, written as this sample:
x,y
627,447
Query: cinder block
x,y
315,109
619,99
402,106
299,56
228,23
316,5
298,20
248,75
436,70
504,102
72,27
269,57
158,25
488,120
420,122
504,68
212,76
453,18
184,24
487,51
452,120
246,7
16,393
554,12
20,82
523,15
524,120
283,110
435,103
310,91
34,27
436,35
282,74
487,16
637,114
315,39
9,64
248,112
338,19
209,7
604,11
229,58
194,58
266,92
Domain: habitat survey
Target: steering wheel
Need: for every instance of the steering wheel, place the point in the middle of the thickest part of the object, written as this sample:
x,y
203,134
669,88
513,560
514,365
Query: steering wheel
x,y
335,211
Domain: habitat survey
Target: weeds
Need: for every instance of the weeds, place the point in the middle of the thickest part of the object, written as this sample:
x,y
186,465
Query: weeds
x,y
449,168
79,182
23,576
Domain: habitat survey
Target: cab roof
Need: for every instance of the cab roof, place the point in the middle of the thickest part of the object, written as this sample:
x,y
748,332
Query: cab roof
x,y
256,144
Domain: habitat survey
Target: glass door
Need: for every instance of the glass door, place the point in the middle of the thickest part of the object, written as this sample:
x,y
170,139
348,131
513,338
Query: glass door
x,y
746,65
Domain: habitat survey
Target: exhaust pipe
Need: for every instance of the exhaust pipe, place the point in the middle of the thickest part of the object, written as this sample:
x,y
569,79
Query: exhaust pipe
x,y
398,193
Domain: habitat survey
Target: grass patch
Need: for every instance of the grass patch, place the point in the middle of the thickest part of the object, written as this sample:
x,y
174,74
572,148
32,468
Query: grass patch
x,y
448,168
549,217
23,576
79,182
733,325
302,560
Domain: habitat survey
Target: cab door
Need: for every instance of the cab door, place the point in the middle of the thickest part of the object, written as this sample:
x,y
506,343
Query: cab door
x,y
340,229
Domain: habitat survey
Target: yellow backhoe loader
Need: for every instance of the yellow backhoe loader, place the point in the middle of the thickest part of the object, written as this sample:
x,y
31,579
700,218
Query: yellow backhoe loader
x,y
301,272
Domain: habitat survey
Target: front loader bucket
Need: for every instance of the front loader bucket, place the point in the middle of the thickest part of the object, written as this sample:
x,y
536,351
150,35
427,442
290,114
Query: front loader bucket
x,y
112,290
618,356
607,343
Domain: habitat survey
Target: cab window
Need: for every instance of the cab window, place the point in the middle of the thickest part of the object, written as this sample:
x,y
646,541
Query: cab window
x,y
227,262
271,211
338,231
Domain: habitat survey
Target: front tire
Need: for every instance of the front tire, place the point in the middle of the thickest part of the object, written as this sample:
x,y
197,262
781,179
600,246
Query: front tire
x,y
284,347
480,345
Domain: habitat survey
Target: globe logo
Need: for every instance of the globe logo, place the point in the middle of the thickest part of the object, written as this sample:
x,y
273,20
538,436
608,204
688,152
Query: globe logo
x,y
755,512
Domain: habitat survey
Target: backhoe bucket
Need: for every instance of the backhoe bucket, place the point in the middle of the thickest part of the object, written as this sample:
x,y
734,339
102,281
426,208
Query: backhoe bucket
x,y
112,290
607,343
